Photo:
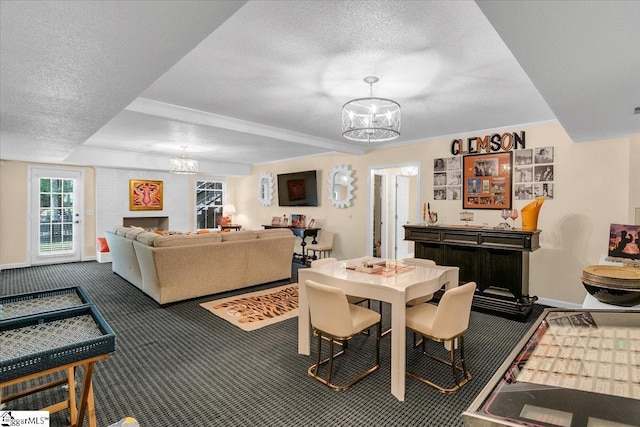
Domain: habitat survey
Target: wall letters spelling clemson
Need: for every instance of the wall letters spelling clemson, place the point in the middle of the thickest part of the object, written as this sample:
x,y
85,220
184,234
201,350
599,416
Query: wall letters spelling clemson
x,y
489,143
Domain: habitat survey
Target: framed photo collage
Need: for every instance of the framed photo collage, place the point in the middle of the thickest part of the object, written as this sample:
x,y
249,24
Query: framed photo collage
x,y
491,181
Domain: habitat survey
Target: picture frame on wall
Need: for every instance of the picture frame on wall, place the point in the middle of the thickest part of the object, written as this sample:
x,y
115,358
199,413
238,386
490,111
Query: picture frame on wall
x,y
145,195
544,173
543,190
623,241
523,157
523,191
487,181
453,163
544,155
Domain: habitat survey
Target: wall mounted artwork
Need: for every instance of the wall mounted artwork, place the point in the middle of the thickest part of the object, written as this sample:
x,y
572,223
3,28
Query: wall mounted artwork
x,y
145,195
487,181
533,173
447,178
624,242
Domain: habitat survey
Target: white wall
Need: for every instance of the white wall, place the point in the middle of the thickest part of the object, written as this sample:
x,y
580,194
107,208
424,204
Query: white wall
x,y
634,177
595,184
112,196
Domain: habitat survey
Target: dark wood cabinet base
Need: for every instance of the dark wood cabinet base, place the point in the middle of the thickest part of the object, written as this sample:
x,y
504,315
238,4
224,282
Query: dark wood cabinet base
x,y
497,260
502,306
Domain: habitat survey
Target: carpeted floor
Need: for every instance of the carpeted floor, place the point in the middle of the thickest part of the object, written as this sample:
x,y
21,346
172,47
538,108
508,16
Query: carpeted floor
x,y
181,366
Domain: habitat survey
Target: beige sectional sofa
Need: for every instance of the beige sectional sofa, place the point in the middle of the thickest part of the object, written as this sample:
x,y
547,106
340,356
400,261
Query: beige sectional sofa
x,y
178,267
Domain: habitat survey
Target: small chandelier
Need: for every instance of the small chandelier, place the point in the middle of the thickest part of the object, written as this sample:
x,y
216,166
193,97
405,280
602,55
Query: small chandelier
x,y
183,165
371,119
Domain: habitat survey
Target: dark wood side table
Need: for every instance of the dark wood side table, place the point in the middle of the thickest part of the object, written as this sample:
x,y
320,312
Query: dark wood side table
x,y
231,227
303,233
496,259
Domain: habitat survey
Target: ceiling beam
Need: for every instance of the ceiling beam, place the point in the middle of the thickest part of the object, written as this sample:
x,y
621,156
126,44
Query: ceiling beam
x,y
100,157
197,117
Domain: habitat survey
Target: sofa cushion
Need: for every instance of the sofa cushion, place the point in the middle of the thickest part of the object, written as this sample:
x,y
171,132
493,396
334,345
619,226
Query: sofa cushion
x,y
132,233
173,232
119,230
114,229
185,239
274,232
147,237
239,235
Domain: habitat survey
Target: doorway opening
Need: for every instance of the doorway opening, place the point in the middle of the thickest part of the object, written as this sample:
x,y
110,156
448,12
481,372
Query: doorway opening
x,y
56,203
394,201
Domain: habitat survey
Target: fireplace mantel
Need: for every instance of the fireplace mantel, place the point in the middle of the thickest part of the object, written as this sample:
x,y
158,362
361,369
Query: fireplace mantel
x,y
151,223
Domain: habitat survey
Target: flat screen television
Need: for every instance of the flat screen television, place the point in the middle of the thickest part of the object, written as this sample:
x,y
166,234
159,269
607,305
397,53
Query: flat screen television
x,y
298,189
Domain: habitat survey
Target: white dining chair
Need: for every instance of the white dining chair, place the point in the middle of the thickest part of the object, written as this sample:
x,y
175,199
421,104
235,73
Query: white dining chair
x,y
419,261
337,321
352,299
446,322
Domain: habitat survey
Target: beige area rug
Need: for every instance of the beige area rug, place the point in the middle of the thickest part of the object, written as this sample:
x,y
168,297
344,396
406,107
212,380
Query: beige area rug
x,y
254,310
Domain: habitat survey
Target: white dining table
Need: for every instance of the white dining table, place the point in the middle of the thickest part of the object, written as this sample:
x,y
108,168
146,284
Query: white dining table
x,y
395,289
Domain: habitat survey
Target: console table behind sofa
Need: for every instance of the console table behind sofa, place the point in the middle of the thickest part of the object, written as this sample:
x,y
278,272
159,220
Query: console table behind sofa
x,y
303,233
497,260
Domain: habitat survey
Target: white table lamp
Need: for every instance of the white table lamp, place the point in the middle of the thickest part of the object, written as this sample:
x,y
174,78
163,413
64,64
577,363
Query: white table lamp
x,y
228,210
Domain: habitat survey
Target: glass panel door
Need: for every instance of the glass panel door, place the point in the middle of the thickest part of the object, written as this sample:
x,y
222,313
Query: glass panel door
x,y
55,232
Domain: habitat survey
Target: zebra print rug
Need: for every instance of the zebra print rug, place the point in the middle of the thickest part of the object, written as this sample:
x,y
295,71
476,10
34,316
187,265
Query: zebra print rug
x,y
255,310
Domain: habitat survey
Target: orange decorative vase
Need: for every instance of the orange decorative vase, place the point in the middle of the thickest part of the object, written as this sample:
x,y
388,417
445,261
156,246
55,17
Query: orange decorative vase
x,y
530,215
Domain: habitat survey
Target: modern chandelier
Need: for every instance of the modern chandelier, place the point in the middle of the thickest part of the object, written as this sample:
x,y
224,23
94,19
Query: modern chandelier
x,y
371,119
183,165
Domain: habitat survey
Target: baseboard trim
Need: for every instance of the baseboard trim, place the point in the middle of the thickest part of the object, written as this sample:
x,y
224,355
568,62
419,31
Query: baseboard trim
x,y
558,303
14,265
26,264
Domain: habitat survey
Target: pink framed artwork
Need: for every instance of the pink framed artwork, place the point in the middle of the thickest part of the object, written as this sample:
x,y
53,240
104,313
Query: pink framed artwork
x,y
145,195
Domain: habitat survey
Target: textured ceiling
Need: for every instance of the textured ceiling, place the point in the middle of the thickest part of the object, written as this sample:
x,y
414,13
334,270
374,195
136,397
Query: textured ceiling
x,y
583,56
106,83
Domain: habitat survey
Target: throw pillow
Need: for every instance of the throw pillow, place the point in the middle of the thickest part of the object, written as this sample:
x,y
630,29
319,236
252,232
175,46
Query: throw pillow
x,y
102,244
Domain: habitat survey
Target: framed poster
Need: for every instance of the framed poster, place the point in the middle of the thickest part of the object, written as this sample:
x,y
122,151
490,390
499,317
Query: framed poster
x,y
145,195
487,181
624,241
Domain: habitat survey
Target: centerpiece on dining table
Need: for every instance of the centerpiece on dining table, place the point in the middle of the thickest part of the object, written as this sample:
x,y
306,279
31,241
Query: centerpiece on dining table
x,y
382,267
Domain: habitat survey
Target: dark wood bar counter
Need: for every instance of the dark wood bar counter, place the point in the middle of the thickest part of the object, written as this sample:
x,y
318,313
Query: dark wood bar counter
x,y
496,259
